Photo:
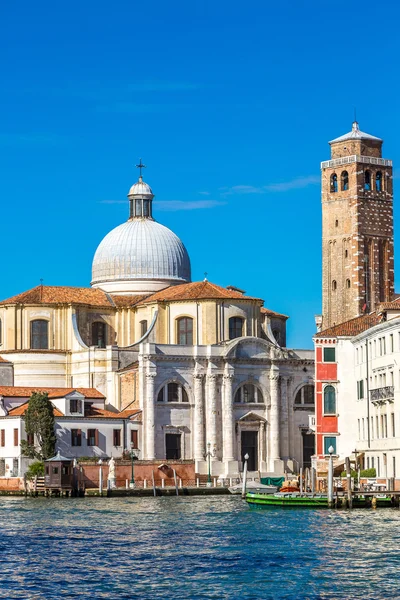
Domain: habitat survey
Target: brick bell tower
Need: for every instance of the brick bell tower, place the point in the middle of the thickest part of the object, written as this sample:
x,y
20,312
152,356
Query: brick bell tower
x,y
357,228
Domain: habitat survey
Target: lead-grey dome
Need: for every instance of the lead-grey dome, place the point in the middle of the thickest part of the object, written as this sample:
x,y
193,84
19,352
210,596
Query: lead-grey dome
x,y
141,255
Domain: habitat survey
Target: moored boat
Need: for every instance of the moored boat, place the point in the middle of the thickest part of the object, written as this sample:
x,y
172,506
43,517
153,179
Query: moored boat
x,y
253,486
288,500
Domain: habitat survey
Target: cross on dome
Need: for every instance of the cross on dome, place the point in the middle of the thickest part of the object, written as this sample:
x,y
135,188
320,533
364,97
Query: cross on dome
x,y
141,166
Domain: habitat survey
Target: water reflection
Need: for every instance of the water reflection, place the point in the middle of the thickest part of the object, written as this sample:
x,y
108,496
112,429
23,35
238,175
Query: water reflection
x,y
193,548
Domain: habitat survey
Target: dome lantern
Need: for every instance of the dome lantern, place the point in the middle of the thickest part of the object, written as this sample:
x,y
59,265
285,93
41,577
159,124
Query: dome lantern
x,y
140,198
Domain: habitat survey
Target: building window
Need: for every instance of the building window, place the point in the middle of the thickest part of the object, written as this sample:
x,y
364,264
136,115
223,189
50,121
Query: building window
x,y
329,400
172,392
394,466
143,328
348,283
393,425
337,223
367,180
345,181
334,185
138,208
235,327
146,208
2,437
346,253
75,406
99,334
92,437
16,437
173,446
329,354
328,442
76,437
116,438
248,393
185,331
378,181
334,285
360,389
134,439
39,335
305,396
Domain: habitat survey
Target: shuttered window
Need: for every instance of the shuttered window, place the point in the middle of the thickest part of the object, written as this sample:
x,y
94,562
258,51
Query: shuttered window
x,y
134,438
117,437
76,437
3,437
16,441
92,437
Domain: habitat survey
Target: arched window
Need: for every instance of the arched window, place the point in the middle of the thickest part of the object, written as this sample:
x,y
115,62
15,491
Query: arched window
x,y
329,400
334,186
367,180
172,392
346,253
248,393
345,180
348,284
99,334
39,334
378,181
305,396
143,327
185,331
334,285
235,327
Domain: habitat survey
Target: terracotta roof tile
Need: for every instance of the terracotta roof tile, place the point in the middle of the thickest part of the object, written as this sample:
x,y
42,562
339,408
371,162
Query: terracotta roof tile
x,y
26,392
352,327
19,411
198,290
272,313
394,305
53,294
96,413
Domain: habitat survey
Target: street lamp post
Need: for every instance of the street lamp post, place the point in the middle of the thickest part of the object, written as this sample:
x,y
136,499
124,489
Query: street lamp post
x,y
330,476
208,456
134,454
246,458
100,476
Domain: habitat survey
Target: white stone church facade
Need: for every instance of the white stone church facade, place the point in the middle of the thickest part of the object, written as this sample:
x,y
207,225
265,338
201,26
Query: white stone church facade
x,y
206,367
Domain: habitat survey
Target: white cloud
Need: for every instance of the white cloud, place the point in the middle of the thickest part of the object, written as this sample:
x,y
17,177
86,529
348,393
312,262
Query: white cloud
x,y
175,205
284,186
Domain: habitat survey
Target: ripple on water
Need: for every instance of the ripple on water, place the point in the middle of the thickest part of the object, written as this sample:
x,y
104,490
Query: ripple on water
x,y
183,547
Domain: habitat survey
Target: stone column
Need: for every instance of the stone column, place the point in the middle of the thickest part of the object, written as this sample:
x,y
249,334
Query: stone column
x,y
284,419
227,419
212,412
290,400
199,445
150,417
275,464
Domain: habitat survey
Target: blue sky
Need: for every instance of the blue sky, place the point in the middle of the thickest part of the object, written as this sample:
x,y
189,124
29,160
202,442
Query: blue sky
x,y
231,106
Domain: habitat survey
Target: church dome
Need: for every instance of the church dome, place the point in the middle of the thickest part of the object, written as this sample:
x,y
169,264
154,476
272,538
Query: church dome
x,y
140,256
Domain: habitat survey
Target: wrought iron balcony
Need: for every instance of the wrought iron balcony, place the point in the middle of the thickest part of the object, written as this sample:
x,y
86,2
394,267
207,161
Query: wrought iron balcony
x,y
382,394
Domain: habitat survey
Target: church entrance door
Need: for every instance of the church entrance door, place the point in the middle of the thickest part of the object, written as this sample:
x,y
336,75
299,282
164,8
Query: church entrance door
x,y
173,446
250,447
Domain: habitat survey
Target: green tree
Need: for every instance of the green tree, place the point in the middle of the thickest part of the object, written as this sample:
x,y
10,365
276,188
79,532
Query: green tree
x,y
39,425
35,469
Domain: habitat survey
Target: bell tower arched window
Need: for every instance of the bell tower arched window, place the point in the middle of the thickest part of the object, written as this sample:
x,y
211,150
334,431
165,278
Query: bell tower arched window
x,y
235,327
367,180
334,183
378,181
185,331
39,334
345,181
334,285
99,334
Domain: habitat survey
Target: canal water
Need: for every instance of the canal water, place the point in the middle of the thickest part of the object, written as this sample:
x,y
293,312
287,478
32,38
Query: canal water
x,y
197,547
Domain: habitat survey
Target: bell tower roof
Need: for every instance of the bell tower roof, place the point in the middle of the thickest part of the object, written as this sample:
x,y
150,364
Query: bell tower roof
x,y
355,134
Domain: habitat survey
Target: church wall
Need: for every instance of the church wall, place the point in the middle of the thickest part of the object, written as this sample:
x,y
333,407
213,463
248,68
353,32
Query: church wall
x,y
38,368
6,373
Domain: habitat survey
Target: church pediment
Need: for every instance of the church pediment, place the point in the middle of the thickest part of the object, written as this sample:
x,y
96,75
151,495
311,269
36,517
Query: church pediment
x,y
253,348
251,416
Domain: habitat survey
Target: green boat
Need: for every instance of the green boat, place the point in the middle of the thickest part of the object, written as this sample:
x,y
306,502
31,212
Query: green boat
x,y
287,500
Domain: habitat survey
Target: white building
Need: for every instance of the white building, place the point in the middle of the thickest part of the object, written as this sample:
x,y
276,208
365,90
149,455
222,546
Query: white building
x,y
207,366
363,413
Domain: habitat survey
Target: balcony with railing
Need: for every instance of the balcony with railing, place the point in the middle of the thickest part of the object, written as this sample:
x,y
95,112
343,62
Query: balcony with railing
x,y
345,160
382,394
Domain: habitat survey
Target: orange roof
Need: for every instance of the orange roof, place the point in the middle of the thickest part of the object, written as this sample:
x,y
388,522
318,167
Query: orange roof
x,y
95,413
272,313
54,294
198,290
352,327
26,392
20,410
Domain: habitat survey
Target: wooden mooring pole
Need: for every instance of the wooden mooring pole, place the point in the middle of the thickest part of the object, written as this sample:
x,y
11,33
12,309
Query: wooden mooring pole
x,y
348,477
